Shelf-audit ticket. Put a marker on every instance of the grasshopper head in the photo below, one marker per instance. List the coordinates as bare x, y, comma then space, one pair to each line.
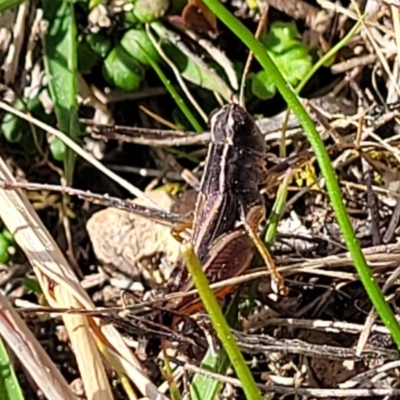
234, 126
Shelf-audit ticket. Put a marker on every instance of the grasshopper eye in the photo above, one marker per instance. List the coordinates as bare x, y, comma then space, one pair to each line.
219, 116
212, 115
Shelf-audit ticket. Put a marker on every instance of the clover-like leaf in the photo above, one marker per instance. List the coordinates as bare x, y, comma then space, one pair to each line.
122, 70
262, 85
149, 10
138, 45
288, 53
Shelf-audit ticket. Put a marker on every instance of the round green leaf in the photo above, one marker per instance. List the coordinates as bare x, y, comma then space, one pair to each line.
8, 235
290, 55
121, 70
262, 86
14, 128
150, 10
280, 36
294, 64
58, 149
138, 45
99, 43
297, 70
130, 18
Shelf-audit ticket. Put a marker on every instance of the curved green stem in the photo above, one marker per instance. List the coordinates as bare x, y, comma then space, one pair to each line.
219, 323
331, 53
172, 91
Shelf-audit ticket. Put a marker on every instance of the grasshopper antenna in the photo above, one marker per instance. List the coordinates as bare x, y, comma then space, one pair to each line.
261, 25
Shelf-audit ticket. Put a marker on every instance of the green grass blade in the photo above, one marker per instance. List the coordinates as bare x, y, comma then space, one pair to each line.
277, 210
219, 323
204, 387
322, 156
169, 377
171, 89
331, 53
6, 4
9, 385
60, 58
175, 95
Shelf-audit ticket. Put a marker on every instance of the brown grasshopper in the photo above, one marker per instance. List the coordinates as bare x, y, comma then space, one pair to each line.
229, 206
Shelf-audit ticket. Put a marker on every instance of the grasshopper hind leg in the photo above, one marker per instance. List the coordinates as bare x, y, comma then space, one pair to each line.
251, 221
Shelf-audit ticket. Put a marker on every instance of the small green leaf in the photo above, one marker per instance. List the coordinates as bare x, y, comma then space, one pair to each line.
297, 69
4, 245
121, 70
60, 59
150, 10
138, 45
99, 43
57, 149
280, 36
33, 285
94, 3
193, 68
289, 54
10, 388
12, 128
197, 71
129, 19
6, 4
203, 387
262, 86
8, 235
16, 130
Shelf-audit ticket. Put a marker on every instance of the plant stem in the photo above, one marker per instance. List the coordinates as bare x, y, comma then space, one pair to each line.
219, 323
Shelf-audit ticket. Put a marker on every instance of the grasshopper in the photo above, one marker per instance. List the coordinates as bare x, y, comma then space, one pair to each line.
229, 207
